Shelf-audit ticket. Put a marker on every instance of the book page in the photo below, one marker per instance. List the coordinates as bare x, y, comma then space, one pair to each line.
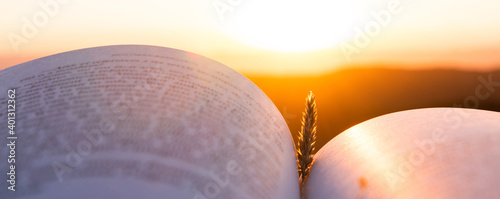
422, 153
141, 122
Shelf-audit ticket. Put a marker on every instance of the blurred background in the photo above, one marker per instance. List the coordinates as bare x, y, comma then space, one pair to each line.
361, 58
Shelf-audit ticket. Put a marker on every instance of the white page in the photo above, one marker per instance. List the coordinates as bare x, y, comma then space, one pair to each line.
143, 122
423, 153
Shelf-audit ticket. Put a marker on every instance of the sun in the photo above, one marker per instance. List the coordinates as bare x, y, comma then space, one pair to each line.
291, 25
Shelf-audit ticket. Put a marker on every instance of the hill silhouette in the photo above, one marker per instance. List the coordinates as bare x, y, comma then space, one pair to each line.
350, 96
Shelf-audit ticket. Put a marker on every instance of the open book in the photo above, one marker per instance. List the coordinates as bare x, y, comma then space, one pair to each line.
152, 122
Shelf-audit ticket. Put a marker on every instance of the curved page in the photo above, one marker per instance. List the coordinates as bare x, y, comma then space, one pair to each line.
142, 122
423, 153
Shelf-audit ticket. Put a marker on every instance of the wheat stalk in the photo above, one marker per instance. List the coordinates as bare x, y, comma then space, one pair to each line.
307, 139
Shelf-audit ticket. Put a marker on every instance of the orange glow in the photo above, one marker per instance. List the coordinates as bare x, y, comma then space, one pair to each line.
423, 34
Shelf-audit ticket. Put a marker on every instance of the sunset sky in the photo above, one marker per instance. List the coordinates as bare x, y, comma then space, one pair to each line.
261, 37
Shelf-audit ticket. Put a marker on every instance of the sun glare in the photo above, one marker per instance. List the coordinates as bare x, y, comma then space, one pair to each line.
291, 26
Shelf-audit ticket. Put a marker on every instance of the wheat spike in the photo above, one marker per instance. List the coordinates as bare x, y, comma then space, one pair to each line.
307, 138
